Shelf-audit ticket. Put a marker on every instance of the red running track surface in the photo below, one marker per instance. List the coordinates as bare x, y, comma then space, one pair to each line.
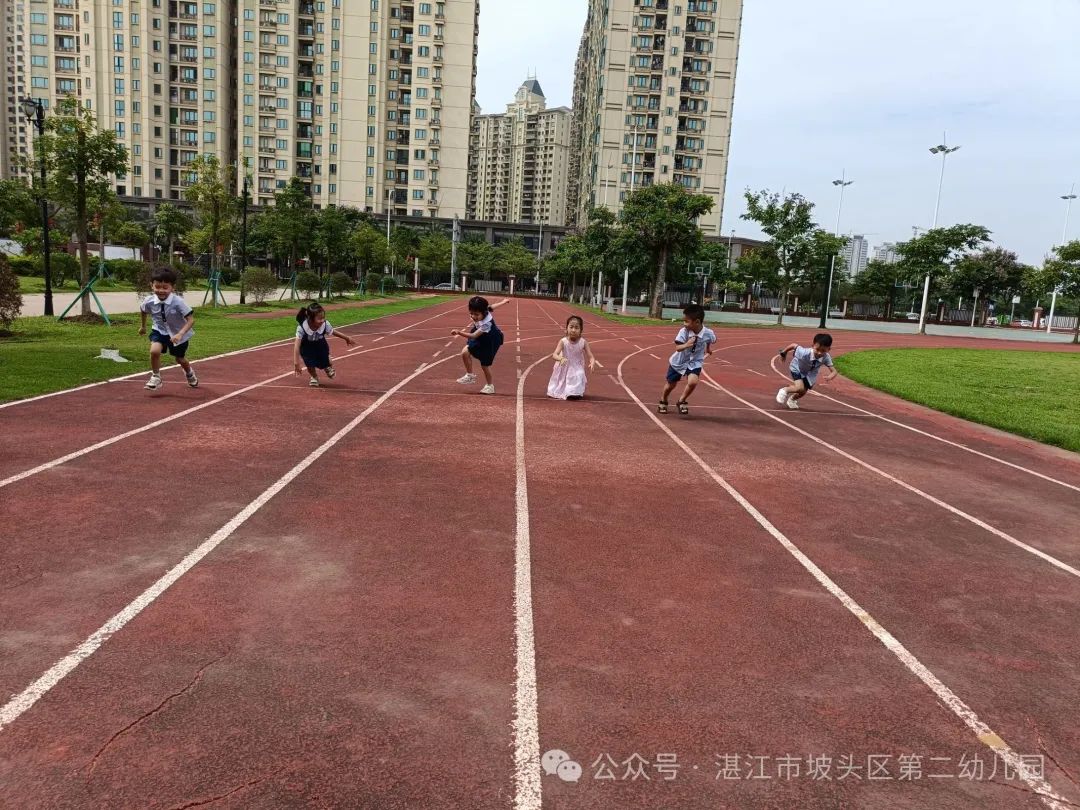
406, 593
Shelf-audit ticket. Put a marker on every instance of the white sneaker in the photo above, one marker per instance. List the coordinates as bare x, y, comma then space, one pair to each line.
488, 389
781, 396
154, 383
192, 380
313, 383
793, 404
468, 379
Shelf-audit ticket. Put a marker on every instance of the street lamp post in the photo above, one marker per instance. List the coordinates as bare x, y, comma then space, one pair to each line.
626, 267
1068, 198
35, 113
244, 232
842, 184
944, 150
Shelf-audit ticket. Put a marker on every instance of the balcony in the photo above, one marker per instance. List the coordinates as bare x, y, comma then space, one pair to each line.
306, 9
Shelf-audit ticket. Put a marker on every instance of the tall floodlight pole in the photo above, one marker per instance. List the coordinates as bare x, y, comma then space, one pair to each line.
34, 110
842, 184
944, 150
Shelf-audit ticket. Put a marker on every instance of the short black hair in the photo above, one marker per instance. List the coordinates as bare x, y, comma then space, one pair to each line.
695, 312
478, 304
165, 274
577, 318
822, 339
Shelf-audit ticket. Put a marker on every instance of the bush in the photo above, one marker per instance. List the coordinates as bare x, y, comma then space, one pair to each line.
25, 265
373, 283
129, 270
309, 283
64, 266
10, 299
341, 283
260, 283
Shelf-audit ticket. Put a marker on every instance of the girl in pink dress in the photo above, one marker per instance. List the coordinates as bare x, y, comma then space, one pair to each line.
568, 377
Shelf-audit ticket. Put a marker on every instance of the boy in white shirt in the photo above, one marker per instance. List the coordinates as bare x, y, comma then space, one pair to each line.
172, 322
805, 364
693, 342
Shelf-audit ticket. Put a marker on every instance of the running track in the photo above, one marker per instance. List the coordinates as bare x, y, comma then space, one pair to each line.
395, 593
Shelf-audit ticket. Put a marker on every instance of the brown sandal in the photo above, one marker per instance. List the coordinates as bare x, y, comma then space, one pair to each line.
661, 407
684, 409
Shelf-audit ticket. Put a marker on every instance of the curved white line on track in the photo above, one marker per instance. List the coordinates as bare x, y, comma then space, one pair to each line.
25, 699
986, 735
937, 438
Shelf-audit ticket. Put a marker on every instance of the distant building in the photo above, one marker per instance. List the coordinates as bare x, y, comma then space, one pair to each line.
886, 252
855, 255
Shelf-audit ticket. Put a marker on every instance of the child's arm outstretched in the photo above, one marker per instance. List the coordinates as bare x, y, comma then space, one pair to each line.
142, 323
496, 306
189, 322
348, 340
789, 348
593, 362
296, 356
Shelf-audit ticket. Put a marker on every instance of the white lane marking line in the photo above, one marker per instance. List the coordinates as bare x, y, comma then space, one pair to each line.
655, 357
915, 490
941, 439
378, 339
527, 792
448, 343
56, 462
24, 700
233, 353
437, 353
983, 732
757, 372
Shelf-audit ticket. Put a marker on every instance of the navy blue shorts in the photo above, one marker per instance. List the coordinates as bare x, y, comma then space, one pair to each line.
804, 378
674, 376
167, 345
315, 353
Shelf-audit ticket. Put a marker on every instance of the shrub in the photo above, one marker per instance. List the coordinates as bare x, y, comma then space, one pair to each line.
260, 283
25, 265
10, 298
309, 283
372, 282
341, 283
129, 270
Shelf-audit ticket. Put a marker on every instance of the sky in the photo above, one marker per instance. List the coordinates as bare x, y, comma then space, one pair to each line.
864, 88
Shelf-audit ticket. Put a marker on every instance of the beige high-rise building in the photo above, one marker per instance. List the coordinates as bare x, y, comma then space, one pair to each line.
521, 161
653, 95
365, 101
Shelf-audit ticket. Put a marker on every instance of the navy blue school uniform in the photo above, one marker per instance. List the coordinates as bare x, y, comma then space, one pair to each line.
314, 344
485, 340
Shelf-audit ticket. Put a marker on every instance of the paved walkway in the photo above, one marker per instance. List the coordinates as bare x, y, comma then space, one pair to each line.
114, 302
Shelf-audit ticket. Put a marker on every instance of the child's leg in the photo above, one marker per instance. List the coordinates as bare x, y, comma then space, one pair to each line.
487, 374
667, 391
691, 384
185, 364
800, 390
155, 358
466, 358
313, 372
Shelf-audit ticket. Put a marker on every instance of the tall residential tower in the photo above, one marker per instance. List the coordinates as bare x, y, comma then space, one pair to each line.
653, 94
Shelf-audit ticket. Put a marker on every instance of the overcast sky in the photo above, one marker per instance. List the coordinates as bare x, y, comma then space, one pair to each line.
867, 86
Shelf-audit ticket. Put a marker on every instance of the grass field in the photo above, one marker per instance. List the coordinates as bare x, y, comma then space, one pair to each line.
44, 355
1033, 394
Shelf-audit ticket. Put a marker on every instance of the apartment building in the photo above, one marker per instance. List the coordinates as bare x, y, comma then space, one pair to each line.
653, 99
369, 102
521, 161
855, 255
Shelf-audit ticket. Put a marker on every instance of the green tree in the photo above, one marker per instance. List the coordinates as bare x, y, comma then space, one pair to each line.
170, 223
994, 272
476, 257
210, 194
937, 252
435, 252
514, 259
369, 246
880, 280
81, 161
404, 242
571, 256
290, 223
331, 238
663, 220
789, 224
19, 208
1063, 271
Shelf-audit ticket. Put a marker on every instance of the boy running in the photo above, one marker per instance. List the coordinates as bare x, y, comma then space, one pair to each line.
692, 343
805, 364
172, 326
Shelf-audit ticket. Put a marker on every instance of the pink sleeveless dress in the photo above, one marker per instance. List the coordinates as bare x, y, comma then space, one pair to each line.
568, 379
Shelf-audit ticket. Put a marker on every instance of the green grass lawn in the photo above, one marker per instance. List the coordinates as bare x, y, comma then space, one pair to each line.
43, 355
1033, 394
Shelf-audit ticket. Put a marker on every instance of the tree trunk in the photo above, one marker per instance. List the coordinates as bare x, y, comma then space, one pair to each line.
1076, 331
656, 305
172, 252
783, 301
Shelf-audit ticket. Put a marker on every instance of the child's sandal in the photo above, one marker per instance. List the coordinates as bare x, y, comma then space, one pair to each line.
684, 409
661, 406
330, 372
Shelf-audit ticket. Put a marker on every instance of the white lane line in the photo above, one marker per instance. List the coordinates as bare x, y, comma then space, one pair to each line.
915, 490
234, 353
943, 440
56, 462
527, 794
447, 344
982, 731
378, 339
757, 372
25, 699
437, 353
655, 356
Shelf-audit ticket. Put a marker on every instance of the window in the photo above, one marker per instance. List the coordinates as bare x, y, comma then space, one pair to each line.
209, 137
39, 19
39, 81
41, 39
